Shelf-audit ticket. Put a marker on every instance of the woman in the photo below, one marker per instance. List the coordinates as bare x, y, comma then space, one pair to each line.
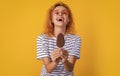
58, 62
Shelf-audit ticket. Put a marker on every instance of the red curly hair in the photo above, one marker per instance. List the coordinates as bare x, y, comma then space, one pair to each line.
49, 26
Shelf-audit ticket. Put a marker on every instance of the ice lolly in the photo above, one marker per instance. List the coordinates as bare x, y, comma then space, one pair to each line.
60, 40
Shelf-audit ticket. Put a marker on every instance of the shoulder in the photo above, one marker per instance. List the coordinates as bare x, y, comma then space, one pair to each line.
74, 36
42, 37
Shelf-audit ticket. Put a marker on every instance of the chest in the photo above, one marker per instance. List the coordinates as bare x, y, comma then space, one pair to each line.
69, 44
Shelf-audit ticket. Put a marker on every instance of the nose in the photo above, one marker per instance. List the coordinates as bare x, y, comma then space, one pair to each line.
60, 14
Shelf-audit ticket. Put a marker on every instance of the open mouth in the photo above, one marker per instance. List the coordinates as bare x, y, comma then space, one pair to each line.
60, 19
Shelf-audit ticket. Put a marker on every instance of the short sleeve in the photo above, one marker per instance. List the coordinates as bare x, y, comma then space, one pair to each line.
76, 48
42, 47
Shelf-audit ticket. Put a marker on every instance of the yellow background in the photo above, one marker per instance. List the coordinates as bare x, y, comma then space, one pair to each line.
96, 21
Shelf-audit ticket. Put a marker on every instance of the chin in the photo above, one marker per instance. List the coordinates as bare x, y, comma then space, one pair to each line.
60, 24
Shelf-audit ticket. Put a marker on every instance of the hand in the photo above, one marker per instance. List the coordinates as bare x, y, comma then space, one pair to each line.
64, 55
55, 56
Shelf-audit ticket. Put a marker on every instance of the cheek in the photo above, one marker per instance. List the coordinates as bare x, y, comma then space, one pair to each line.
66, 18
53, 18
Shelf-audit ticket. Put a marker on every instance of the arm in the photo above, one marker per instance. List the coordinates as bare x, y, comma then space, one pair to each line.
68, 64
50, 66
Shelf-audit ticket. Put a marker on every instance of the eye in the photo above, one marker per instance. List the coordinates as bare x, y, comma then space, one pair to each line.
56, 12
64, 12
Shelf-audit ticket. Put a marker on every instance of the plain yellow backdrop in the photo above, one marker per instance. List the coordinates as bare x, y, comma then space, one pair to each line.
96, 21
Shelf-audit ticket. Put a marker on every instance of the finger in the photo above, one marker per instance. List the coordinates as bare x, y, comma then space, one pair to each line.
54, 52
62, 53
65, 53
59, 49
55, 56
64, 56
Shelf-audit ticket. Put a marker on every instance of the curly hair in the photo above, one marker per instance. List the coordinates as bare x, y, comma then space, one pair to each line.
49, 26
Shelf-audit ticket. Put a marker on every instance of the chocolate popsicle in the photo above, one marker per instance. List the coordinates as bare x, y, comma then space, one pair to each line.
60, 40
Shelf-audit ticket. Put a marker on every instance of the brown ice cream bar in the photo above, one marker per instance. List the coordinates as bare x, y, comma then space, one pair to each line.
60, 40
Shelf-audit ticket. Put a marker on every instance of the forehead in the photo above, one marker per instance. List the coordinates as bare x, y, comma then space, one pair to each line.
60, 8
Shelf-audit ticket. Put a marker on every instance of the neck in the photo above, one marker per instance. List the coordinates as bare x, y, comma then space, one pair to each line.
58, 30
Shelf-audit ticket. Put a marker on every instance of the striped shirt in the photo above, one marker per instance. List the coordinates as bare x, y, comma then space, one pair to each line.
45, 45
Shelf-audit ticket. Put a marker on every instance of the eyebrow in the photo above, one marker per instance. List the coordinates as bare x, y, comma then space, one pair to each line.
58, 10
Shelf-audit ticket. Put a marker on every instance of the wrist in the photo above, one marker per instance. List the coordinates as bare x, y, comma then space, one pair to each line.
54, 63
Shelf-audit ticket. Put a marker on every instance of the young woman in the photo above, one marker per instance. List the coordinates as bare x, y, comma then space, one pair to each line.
58, 62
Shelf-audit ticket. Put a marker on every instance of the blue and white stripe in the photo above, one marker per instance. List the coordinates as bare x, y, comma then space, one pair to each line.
45, 45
